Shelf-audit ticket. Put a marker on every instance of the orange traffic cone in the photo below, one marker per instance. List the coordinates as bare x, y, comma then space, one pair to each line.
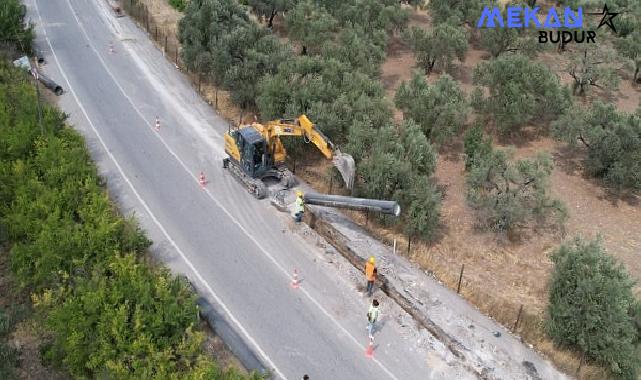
295, 281
369, 352
202, 180
157, 126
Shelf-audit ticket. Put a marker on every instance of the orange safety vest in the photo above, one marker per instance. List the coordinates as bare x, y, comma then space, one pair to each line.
369, 271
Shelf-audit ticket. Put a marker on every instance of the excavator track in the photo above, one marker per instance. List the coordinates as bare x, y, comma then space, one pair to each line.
256, 187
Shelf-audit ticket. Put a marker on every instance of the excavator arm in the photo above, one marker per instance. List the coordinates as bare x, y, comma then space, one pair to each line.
302, 126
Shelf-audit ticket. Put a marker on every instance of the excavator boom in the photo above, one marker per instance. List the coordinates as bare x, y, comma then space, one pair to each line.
302, 126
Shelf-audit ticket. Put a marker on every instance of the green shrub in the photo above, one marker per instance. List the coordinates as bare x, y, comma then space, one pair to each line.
592, 307
612, 139
179, 5
437, 48
334, 81
124, 318
12, 21
519, 91
511, 194
440, 109
477, 147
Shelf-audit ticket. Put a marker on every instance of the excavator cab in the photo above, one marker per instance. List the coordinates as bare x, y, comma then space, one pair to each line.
254, 156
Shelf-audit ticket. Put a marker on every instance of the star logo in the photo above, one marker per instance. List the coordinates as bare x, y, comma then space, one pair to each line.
607, 18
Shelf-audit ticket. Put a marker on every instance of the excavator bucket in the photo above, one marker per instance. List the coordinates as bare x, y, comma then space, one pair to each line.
346, 166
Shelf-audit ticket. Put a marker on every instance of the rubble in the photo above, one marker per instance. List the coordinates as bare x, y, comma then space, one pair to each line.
473, 339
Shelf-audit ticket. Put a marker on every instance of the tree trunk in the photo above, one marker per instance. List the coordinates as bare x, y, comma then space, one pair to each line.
429, 68
240, 118
636, 75
270, 24
304, 52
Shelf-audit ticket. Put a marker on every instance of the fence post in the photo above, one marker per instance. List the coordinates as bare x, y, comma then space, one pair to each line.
409, 243
394, 247
176, 54
518, 318
156, 33
331, 183
198, 82
578, 370
165, 43
460, 278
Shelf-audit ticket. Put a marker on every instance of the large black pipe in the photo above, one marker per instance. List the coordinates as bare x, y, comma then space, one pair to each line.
50, 84
340, 201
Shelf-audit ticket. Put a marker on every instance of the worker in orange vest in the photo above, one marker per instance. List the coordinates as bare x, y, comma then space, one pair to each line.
370, 274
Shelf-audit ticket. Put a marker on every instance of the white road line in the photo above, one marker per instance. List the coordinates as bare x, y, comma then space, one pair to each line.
151, 214
233, 219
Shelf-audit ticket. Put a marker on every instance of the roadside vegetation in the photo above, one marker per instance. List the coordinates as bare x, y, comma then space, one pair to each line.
106, 309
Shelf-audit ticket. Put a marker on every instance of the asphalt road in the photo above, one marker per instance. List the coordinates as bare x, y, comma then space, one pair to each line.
237, 251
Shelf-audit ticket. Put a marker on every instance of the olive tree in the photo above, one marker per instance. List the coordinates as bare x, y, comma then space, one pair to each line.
437, 47
310, 25
508, 40
630, 48
518, 91
592, 307
440, 109
509, 194
612, 140
268, 9
592, 67
468, 11
12, 26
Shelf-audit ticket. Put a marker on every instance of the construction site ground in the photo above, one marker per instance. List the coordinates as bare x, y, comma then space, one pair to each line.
502, 273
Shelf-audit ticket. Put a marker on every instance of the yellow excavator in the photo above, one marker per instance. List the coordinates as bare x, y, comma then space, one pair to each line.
256, 153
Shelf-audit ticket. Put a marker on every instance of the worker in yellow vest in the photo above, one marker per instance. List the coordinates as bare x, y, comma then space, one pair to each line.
299, 207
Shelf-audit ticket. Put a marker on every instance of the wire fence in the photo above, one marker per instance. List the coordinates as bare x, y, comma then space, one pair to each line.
165, 39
